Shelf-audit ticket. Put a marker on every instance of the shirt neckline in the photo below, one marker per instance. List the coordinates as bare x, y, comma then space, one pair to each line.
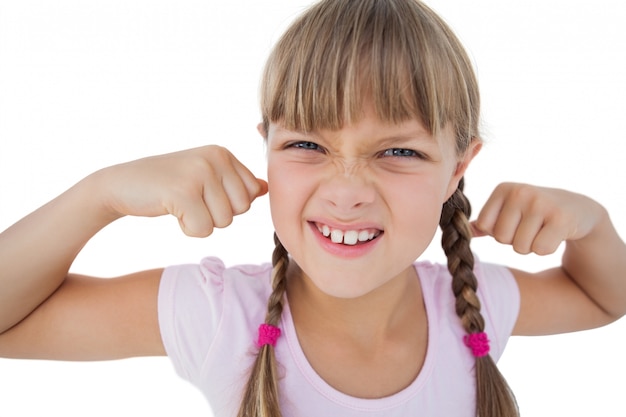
393, 400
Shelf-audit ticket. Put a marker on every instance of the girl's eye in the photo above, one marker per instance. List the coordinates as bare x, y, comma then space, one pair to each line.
400, 152
312, 146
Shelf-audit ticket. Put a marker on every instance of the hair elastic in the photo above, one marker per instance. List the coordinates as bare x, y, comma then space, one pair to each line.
268, 335
478, 343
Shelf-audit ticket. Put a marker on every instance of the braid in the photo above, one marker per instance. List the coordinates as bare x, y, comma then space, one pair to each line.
280, 262
455, 241
493, 395
260, 397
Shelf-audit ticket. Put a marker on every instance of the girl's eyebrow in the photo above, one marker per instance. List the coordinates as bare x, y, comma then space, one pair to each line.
282, 130
406, 138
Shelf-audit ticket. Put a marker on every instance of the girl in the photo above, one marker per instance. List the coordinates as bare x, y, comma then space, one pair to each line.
356, 155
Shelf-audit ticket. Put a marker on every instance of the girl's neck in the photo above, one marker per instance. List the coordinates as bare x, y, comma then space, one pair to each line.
348, 341
378, 315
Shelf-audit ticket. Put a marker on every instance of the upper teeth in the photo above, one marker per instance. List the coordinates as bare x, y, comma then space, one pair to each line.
348, 237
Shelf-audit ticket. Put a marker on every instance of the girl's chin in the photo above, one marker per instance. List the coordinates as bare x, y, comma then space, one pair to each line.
343, 284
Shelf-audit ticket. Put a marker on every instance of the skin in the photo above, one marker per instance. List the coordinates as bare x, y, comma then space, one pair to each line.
347, 182
45, 312
203, 187
349, 179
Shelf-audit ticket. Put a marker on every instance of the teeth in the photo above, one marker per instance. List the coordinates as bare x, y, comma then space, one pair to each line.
348, 237
336, 236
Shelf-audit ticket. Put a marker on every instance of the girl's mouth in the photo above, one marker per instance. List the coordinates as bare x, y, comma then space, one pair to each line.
348, 237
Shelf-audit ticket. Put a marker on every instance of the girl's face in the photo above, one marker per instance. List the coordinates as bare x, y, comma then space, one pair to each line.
356, 206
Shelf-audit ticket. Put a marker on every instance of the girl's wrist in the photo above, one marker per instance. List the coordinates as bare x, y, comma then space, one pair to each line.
96, 197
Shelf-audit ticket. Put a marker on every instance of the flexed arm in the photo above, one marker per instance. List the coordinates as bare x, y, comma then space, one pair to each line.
589, 288
203, 187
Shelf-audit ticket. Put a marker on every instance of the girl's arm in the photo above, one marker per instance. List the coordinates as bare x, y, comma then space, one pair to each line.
44, 312
589, 288
37, 252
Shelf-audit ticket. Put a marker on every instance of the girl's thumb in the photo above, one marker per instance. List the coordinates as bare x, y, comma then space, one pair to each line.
476, 232
263, 187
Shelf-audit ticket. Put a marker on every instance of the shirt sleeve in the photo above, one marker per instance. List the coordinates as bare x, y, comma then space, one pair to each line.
190, 304
500, 299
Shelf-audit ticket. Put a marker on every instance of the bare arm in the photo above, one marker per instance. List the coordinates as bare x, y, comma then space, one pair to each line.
37, 252
598, 265
91, 319
588, 289
45, 313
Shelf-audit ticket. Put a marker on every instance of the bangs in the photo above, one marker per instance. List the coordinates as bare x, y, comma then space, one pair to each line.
396, 56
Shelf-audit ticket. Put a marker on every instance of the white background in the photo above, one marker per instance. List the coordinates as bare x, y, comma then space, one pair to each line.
86, 84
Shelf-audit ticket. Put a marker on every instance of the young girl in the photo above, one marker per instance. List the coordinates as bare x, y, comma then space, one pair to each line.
370, 127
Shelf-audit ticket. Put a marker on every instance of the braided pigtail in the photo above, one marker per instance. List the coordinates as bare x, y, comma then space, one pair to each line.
260, 397
493, 395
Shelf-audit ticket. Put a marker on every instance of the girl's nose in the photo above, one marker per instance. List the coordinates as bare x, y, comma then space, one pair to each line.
347, 191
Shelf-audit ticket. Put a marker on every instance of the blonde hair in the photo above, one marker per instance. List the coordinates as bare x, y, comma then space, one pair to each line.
400, 56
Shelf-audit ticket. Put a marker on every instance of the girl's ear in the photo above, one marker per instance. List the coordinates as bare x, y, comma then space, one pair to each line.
261, 129
472, 150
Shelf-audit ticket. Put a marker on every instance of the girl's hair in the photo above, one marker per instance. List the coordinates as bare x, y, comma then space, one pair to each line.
260, 397
493, 395
402, 58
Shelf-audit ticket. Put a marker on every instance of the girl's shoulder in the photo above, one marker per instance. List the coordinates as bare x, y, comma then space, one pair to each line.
490, 277
210, 289
196, 300
212, 277
497, 291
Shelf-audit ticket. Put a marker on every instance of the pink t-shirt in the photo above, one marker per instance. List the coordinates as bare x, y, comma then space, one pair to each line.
209, 315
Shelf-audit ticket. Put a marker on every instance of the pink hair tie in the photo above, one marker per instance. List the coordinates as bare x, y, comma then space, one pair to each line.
478, 343
268, 335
